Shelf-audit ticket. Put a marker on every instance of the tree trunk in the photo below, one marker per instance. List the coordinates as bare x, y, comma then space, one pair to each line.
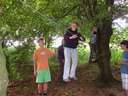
3, 74
103, 39
103, 20
103, 51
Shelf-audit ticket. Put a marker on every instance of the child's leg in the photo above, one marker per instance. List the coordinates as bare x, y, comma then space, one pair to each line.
124, 77
61, 68
126, 92
40, 88
45, 87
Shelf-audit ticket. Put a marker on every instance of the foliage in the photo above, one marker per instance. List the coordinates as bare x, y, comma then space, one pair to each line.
17, 59
26, 19
116, 55
21, 19
83, 54
119, 35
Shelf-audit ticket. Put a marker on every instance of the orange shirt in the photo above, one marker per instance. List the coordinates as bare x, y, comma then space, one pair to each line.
41, 56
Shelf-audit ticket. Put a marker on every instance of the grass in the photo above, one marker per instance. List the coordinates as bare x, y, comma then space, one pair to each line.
116, 55
84, 53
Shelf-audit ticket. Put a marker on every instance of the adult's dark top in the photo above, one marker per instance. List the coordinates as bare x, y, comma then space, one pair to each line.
72, 43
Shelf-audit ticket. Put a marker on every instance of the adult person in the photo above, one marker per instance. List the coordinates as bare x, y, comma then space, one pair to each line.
71, 38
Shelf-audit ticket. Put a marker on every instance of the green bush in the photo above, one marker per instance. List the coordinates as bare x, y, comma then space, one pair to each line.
83, 54
116, 54
16, 59
20, 57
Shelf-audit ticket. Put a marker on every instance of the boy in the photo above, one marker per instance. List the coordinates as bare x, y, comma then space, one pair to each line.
61, 60
124, 66
41, 67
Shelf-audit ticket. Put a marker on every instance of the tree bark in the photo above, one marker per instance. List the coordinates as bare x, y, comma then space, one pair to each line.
103, 22
3, 73
103, 51
103, 39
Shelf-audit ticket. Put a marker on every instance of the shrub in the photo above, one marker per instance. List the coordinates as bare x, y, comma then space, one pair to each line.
16, 59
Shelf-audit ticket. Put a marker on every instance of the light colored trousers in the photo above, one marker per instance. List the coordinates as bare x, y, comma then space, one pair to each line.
70, 69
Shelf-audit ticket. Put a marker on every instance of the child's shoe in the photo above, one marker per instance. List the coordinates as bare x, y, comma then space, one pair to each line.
44, 94
39, 94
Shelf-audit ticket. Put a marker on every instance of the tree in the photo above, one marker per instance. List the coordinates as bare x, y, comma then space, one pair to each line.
20, 19
3, 73
102, 13
91, 10
103, 39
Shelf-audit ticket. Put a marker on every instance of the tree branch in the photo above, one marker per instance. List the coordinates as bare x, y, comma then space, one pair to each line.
68, 12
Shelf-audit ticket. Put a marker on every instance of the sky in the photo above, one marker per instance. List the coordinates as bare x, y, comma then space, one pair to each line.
121, 22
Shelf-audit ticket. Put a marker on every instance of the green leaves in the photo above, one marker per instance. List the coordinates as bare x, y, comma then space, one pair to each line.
49, 17
118, 36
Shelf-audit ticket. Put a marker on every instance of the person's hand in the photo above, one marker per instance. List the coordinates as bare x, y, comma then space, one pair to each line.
73, 37
82, 38
35, 72
120, 62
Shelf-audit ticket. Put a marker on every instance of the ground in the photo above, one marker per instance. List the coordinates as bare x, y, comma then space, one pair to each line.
86, 85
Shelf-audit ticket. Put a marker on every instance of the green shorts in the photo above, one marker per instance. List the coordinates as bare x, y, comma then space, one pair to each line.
43, 76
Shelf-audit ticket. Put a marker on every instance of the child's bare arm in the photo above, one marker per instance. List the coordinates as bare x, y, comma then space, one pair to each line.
35, 68
124, 62
34, 63
52, 53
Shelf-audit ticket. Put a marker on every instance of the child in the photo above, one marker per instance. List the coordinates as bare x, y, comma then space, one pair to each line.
92, 58
61, 60
41, 67
124, 66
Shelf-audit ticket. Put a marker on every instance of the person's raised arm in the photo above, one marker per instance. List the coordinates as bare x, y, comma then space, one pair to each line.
73, 37
81, 38
124, 62
68, 36
51, 53
34, 62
